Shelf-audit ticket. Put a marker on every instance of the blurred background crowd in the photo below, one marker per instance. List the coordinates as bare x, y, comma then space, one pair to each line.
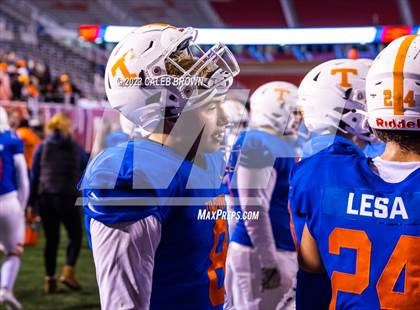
25, 79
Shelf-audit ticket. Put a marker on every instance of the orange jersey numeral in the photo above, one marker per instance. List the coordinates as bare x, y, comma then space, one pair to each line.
345, 282
404, 255
218, 261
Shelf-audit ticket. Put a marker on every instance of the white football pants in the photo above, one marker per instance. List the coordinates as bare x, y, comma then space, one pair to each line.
12, 224
243, 280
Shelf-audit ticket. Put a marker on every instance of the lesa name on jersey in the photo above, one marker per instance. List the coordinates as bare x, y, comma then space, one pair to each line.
378, 207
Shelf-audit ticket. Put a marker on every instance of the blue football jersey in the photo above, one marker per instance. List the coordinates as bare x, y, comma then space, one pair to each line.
367, 230
374, 149
151, 180
10, 145
317, 143
323, 145
259, 149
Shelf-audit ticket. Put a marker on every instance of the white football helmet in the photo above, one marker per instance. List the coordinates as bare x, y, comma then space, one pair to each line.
129, 128
334, 91
235, 111
4, 120
238, 118
274, 104
137, 83
393, 86
367, 61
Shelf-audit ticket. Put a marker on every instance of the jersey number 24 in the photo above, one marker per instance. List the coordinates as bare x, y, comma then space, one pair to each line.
405, 254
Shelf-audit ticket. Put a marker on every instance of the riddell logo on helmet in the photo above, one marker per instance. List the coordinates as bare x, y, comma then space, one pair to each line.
381, 123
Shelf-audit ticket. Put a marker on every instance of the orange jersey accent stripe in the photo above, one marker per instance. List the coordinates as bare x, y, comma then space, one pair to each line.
398, 75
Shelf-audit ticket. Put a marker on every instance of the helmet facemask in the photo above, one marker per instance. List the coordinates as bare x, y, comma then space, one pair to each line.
197, 77
157, 72
213, 71
354, 116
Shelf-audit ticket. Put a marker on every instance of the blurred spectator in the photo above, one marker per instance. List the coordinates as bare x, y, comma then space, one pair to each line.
16, 84
21, 67
30, 141
5, 90
57, 167
64, 88
28, 88
23, 80
15, 117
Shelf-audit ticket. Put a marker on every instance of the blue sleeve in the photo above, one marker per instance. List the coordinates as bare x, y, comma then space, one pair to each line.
110, 194
36, 170
255, 154
305, 194
297, 207
17, 146
313, 291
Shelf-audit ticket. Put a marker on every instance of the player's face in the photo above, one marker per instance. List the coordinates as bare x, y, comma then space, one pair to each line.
212, 119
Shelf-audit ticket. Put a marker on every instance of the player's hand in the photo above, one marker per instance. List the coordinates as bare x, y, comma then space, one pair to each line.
270, 279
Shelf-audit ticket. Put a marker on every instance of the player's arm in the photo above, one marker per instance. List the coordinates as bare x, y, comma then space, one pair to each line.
313, 289
124, 235
255, 196
308, 254
21, 172
124, 259
22, 179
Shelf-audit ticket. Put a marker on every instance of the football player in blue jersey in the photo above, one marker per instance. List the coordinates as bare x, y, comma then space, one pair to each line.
332, 98
262, 256
14, 192
153, 205
361, 215
238, 118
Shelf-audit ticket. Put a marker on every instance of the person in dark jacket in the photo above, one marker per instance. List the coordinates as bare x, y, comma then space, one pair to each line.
57, 166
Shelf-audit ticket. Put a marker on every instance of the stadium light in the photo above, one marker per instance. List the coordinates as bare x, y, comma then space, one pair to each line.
114, 34
268, 36
295, 36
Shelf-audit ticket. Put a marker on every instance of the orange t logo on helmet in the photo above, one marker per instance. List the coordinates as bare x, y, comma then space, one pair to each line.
344, 75
120, 64
280, 93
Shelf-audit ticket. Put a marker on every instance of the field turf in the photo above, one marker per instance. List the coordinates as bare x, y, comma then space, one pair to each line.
29, 285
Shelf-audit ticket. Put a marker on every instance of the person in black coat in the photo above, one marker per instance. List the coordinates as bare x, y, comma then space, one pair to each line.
57, 166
